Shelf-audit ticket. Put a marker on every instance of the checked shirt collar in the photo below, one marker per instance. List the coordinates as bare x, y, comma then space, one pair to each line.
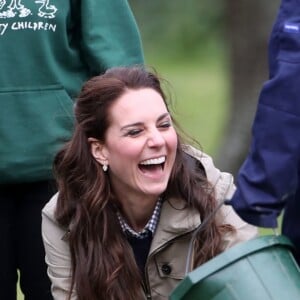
150, 226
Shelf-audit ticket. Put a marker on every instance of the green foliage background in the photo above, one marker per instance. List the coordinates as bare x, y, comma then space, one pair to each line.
179, 29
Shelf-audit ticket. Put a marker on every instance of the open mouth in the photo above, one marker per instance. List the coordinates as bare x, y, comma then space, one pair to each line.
153, 164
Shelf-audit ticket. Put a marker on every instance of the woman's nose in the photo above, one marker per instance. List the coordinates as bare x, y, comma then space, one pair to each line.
155, 139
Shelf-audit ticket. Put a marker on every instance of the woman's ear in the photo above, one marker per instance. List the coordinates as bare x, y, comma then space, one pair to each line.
98, 150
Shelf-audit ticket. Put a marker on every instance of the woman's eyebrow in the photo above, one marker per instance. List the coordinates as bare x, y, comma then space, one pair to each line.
141, 123
163, 116
131, 125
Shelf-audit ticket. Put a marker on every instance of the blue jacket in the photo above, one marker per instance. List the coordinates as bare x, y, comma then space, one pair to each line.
268, 180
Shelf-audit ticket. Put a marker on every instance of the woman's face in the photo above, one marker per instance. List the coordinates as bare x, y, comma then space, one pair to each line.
140, 145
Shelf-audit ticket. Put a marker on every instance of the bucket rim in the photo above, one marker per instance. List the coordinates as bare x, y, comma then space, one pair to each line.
239, 251
228, 257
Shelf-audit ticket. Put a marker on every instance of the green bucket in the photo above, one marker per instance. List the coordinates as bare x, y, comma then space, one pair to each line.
259, 269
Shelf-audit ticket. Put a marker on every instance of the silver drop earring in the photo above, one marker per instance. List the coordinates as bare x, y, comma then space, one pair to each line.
105, 168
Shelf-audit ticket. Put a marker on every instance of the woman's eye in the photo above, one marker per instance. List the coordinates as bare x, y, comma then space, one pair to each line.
165, 124
133, 132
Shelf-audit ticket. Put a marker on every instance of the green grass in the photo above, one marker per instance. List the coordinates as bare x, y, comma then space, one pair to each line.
20, 296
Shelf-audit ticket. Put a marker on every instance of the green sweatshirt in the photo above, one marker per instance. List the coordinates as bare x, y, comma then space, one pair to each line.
48, 48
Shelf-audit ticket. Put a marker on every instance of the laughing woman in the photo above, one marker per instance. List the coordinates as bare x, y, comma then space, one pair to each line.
131, 195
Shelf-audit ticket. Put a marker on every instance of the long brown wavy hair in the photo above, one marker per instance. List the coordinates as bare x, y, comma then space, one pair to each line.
103, 264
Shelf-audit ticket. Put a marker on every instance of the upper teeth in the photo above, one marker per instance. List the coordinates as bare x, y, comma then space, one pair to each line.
154, 161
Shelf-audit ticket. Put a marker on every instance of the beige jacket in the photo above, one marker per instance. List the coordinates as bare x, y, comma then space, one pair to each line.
166, 262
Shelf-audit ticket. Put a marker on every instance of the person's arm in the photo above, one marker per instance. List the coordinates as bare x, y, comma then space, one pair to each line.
268, 177
58, 256
109, 35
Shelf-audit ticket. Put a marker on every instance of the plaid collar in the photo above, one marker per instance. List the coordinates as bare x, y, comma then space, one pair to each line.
150, 227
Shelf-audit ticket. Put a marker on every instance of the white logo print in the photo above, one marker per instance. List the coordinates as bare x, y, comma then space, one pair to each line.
16, 8
15, 13
46, 10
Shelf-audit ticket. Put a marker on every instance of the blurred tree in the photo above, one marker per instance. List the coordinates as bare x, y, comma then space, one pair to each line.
178, 29
248, 26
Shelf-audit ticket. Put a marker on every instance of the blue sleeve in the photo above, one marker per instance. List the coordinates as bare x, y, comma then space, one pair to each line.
268, 178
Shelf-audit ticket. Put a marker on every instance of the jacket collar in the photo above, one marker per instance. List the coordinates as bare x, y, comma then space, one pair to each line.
175, 220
